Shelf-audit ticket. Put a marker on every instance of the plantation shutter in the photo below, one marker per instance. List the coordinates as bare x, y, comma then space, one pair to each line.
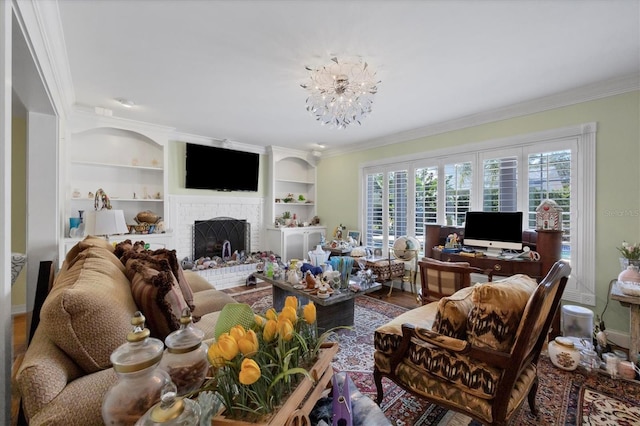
398, 187
458, 180
500, 184
426, 202
375, 209
550, 178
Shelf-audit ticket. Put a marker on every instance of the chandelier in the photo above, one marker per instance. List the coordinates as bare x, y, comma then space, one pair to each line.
341, 93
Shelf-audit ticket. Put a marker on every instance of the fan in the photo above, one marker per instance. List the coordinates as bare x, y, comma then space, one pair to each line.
406, 249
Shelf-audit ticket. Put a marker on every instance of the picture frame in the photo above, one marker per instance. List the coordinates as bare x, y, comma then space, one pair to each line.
355, 235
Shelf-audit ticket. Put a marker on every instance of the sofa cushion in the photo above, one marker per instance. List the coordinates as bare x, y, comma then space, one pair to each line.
197, 282
88, 242
387, 337
157, 294
457, 369
44, 372
498, 308
452, 314
90, 299
208, 325
211, 300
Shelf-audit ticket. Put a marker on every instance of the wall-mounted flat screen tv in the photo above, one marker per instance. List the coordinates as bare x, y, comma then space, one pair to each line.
221, 169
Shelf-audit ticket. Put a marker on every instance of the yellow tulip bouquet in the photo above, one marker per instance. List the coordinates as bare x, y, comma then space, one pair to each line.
259, 361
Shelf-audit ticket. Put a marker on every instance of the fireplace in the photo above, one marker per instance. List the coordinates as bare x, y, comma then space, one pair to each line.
221, 236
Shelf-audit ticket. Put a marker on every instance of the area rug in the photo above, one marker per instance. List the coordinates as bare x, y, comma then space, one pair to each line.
563, 398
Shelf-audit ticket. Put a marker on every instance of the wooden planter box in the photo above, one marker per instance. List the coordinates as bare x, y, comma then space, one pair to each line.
296, 409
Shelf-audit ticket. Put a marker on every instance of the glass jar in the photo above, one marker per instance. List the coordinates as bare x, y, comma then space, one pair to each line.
140, 382
185, 359
590, 360
172, 410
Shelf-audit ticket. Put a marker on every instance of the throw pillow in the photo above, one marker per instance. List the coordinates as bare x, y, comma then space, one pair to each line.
169, 256
124, 246
157, 294
498, 308
453, 311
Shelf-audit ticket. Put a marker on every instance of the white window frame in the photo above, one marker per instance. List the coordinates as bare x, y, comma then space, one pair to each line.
581, 139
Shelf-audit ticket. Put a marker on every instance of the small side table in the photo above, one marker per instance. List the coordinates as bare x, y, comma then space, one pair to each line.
633, 302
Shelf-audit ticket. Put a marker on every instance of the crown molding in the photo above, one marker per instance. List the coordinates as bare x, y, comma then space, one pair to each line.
83, 119
41, 26
612, 87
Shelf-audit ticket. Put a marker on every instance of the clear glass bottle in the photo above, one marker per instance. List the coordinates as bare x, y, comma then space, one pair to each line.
140, 381
172, 410
185, 359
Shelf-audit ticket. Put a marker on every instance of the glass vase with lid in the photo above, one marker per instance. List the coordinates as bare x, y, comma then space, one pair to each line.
140, 381
172, 410
185, 359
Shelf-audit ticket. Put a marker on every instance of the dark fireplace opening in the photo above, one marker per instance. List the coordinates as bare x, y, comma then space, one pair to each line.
221, 236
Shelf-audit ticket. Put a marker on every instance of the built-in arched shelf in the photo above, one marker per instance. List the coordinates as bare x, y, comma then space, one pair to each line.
128, 161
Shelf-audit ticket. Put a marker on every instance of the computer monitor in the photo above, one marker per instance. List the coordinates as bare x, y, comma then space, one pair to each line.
494, 231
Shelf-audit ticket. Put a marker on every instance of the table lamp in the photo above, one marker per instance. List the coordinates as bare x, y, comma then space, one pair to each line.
105, 221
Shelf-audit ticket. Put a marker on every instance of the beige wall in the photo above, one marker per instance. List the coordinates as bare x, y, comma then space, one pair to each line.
617, 181
19, 203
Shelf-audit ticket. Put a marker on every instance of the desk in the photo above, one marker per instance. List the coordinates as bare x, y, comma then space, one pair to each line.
499, 266
633, 302
548, 245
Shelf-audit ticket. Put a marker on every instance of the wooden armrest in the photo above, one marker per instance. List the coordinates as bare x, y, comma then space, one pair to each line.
488, 272
437, 339
489, 356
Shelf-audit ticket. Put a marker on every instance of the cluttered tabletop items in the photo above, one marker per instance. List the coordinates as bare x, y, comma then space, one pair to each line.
454, 245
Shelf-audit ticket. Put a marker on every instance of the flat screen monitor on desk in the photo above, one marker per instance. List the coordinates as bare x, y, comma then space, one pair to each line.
493, 231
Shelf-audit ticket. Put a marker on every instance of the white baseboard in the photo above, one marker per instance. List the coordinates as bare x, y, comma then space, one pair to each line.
18, 309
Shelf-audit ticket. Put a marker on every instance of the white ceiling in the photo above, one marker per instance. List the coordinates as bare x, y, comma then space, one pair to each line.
233, 69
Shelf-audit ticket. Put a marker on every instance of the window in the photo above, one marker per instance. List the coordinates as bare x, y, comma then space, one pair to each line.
513, 174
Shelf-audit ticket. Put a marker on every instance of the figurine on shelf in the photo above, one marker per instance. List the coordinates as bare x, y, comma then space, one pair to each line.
452, 241
101, 197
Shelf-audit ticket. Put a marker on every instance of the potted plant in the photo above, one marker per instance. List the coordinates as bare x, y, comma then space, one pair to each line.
289, 198
261, 362
301, 198
286, 216
630, 254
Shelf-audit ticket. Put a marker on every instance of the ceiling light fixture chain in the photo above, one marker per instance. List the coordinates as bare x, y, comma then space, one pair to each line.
341, 93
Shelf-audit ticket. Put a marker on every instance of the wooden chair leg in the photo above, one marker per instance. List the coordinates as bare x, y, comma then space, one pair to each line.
377, 378
532, 397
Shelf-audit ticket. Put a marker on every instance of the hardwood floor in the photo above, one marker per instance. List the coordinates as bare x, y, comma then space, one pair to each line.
19, 344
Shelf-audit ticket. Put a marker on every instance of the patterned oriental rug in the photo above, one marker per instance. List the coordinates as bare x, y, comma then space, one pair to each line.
563, 398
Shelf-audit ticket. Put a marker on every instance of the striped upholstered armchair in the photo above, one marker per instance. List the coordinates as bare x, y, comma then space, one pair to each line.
476, 351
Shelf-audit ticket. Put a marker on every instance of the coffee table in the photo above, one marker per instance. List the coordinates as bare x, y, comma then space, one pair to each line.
334, 311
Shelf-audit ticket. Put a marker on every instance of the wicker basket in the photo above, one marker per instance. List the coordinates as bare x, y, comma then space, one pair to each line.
384, 272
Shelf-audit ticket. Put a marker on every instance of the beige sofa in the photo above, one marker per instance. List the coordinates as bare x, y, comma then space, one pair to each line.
87, 314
